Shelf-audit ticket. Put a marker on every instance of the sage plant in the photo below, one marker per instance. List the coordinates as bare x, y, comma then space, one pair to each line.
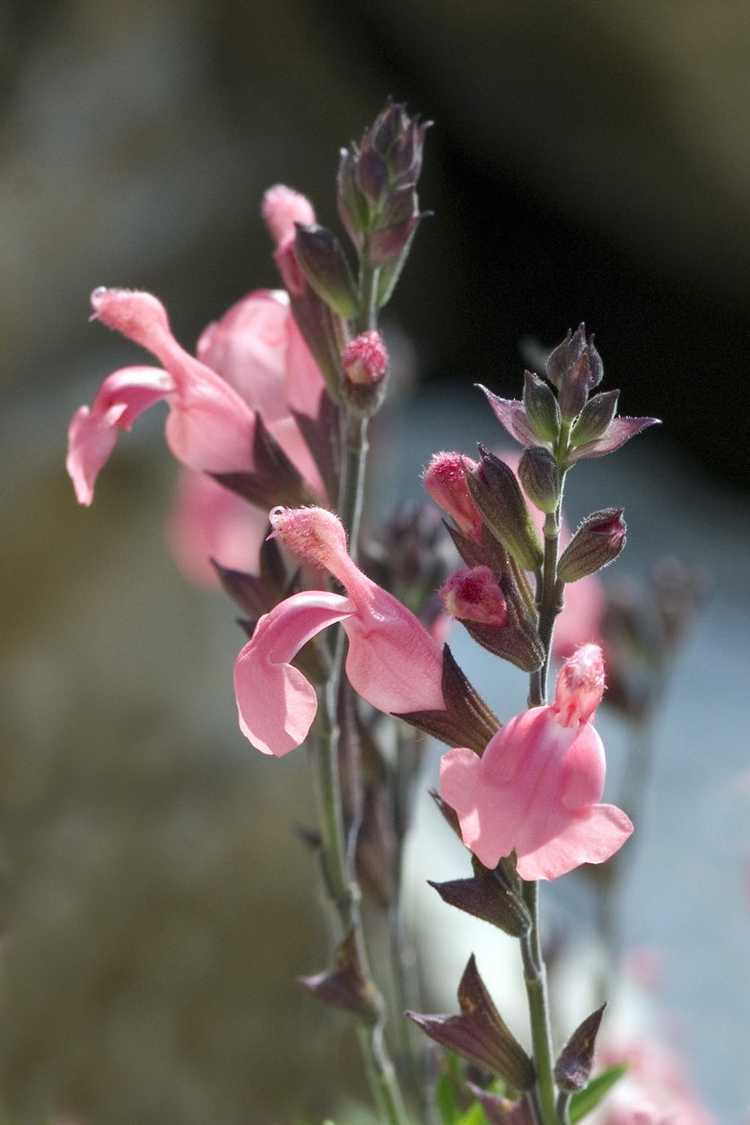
345, 647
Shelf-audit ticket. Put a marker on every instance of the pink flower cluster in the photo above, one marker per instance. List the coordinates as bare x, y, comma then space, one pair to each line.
536, 789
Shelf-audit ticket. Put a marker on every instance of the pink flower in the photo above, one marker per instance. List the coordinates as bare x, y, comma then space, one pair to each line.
392, 661
445, 480
536, 787
210, 522
257, 348
472, 594
656, 1088
282, 207
365, 359
209, 426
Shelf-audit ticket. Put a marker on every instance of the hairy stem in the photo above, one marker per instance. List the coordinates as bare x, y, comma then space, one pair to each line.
535, 972
337, 860
535, 978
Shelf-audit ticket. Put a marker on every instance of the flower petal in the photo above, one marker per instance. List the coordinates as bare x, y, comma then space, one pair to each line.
592, 836
92, 433
275, 703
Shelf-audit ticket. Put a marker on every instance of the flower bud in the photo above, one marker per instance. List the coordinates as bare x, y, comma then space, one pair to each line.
365, 359
597, 542
326, 269
575, 367
595, 418
445, 480
565, 356
498, 496
540, 404
473, 594
377, 197
540, 478
573, 1067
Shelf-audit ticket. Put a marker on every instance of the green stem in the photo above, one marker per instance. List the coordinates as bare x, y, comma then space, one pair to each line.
563, 1107
535, 978
535, 972
340, 878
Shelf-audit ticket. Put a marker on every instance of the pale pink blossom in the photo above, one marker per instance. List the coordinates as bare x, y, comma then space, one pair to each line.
209, 426
536, 788
656, 1088
283, 207
392, 661
257, 348
209, 521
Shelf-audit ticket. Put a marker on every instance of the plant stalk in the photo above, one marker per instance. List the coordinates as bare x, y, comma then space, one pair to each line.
337, 859
535, 972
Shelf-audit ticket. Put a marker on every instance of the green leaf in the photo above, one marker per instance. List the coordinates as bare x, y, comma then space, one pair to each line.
474, 1115
587, 1100
447, 1102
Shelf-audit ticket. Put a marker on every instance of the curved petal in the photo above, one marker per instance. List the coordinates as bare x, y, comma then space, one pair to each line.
303, 382
210, 427
275, 703
92, 433
393, 662
592, 836
209, 521
247, 347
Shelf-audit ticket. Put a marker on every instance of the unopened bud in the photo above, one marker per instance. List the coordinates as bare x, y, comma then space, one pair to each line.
541, 407
595, 418
597, 542
540, 478
499, 498
325, 266
377, 197
365, 359
445, 478
565, 356
573, 1067
473, 594
575, 367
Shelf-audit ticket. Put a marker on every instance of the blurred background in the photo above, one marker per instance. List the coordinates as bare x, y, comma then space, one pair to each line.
588, 161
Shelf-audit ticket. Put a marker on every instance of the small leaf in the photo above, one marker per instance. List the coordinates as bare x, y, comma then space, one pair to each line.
511, 414
587, 1100
474, 1115
447, 1101
573, 1067
344, 986
479, 1034
485, 897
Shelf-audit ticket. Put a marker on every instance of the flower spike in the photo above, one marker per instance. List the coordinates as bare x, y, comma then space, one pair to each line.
536, 788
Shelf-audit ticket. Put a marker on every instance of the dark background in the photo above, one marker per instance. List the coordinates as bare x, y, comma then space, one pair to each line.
589, 160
